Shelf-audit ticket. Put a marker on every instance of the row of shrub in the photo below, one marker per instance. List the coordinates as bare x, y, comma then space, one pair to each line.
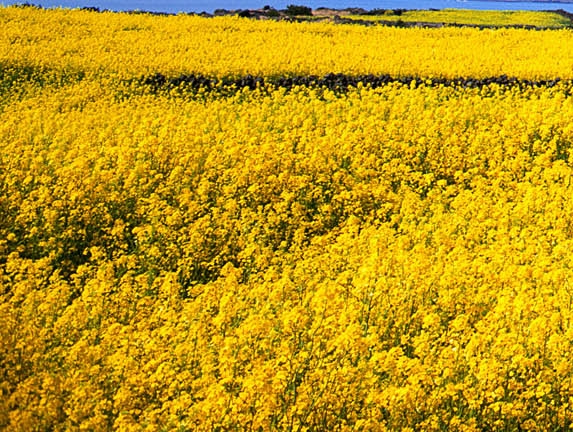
333, 81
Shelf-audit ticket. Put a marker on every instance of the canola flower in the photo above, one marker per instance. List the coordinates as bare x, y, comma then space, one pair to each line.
381, 259
133, 45
388, 259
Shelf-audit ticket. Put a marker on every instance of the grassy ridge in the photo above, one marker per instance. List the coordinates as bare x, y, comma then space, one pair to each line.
540, 19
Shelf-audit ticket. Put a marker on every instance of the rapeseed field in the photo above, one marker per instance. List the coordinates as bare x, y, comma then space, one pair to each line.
277, 258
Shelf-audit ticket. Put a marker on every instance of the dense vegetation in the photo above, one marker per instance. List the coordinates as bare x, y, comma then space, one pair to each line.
179, 251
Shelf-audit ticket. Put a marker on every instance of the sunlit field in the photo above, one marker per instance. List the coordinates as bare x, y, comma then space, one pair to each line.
124, 46
474, 17
390, 255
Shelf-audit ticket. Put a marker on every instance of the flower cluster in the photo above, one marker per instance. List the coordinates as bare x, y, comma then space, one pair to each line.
383, 259
126, 45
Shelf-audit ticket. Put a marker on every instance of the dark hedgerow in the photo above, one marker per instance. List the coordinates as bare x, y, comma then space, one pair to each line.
295, 10
336, 82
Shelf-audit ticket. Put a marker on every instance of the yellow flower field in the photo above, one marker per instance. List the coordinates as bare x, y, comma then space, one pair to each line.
388, 259
133, 45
